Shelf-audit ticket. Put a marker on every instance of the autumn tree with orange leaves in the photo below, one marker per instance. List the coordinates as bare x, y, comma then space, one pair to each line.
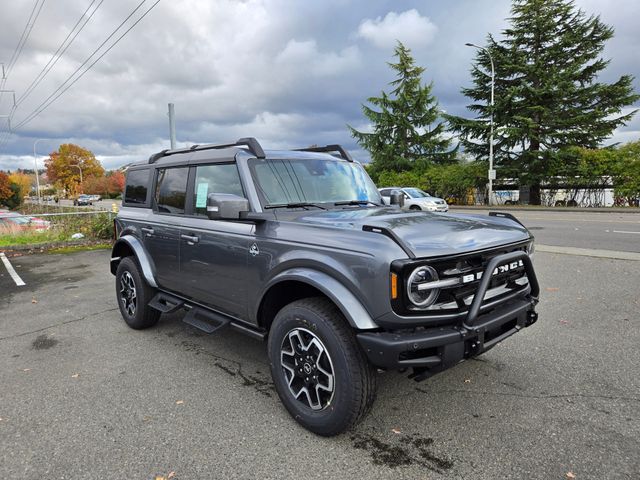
63, 167
5, 188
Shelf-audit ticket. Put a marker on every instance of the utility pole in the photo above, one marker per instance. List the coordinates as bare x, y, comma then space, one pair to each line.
492, 172
35, 163
172, 125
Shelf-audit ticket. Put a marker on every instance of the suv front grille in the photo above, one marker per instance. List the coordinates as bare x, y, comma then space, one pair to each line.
468, 270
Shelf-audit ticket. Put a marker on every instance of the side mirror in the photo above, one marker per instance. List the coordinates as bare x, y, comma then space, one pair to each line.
226, 206
397, 198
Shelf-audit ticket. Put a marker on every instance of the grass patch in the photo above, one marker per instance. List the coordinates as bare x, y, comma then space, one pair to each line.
94, 227
80, 248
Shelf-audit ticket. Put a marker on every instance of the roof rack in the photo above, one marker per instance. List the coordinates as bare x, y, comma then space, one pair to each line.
328, 149
252, 143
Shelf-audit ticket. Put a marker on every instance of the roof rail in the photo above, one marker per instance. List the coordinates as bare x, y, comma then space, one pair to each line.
328, 149
252, 143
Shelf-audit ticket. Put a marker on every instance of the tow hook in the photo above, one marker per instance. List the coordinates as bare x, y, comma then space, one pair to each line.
532, 317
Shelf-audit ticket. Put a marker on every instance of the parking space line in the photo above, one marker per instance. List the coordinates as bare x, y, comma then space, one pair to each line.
622, 231
12, 272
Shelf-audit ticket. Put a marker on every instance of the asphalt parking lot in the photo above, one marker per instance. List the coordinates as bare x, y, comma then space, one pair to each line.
85, 397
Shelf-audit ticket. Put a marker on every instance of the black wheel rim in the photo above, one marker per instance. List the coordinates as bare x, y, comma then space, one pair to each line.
307, 368
128, 294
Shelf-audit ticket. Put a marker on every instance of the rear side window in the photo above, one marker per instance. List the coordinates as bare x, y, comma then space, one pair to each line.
171, 189
220, 178
135, 190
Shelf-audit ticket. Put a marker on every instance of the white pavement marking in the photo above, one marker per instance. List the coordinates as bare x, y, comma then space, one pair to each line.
12, 272
589, 252
622, 231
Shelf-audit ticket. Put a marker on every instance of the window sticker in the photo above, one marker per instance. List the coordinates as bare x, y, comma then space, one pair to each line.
201, 195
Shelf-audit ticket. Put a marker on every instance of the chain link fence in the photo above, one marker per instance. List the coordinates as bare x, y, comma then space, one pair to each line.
35, 224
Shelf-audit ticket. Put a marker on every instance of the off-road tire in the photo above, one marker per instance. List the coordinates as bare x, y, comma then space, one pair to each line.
354, 378
142, 316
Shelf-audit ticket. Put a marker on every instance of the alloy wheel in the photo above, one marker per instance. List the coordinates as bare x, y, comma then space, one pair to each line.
128, 294
307, 368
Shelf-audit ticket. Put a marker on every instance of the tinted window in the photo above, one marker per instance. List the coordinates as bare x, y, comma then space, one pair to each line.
386, 192
135, 190
171, 189
221, 178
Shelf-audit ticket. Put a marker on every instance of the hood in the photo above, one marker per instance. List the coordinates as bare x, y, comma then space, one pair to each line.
425, 234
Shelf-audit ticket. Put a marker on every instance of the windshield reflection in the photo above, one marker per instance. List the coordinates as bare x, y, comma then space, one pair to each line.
311, 180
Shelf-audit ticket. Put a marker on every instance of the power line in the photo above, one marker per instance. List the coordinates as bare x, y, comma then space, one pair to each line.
35, 12
31, 21
64, 87
60, 51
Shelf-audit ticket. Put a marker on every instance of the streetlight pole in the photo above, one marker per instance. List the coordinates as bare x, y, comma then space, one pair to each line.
492, 173
79, 168
35, 163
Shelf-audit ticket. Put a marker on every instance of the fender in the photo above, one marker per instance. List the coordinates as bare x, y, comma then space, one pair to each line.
349, 305
145, 262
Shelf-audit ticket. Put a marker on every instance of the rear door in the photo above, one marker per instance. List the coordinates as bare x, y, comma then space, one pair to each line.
162, 231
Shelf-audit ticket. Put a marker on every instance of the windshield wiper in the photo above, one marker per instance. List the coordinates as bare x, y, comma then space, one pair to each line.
304, 205
357, 202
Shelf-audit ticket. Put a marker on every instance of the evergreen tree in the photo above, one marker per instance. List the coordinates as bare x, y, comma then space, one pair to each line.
404, 120
547, 96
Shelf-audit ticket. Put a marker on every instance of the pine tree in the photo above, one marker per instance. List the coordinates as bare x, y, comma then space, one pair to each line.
403, 120
547, 96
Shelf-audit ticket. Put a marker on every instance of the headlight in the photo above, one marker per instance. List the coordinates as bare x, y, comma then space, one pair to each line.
422, 297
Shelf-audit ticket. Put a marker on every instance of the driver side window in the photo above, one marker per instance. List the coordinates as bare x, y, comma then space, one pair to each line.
218, 178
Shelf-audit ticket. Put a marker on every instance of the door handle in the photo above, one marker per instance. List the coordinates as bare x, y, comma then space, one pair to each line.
147, 230
191, 239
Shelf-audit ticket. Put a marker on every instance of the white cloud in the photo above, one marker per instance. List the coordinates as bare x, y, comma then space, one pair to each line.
409, 27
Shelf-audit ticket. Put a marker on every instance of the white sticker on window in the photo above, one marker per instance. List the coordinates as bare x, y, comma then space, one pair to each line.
201, 195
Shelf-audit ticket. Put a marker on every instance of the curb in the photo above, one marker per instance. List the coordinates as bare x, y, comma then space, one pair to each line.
522, 208
589, 252
32, 249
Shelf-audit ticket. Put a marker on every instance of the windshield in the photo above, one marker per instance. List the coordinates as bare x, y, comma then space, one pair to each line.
311, 180
416, 193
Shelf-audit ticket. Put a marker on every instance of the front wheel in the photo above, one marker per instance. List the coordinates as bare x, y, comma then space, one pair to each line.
321, 374
133, 294
414, 207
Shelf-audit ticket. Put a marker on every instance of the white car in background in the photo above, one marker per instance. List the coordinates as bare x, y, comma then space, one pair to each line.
415, 199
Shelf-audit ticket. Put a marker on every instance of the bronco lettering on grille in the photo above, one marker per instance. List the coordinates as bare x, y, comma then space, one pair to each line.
507, 267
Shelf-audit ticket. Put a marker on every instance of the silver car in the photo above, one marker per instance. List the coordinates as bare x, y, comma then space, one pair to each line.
416, 199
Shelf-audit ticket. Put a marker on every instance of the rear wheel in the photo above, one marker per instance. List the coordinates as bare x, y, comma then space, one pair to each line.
320, 372
133, 295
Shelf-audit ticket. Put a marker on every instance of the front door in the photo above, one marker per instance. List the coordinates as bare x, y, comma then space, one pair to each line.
214, 253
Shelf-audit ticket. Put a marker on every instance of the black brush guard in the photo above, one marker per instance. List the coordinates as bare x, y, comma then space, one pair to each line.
432, 350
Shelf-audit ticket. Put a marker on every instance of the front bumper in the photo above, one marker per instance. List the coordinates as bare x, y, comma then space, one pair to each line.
433, 350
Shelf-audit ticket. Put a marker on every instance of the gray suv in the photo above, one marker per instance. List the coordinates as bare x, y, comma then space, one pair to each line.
297, 249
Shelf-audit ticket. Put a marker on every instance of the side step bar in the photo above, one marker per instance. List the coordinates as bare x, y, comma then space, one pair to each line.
208, 322
201, 317
165, 303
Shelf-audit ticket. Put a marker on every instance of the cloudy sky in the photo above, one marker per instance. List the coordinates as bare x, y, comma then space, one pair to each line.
291, 73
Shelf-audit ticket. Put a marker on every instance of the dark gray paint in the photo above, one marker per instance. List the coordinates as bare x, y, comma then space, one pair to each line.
326, 249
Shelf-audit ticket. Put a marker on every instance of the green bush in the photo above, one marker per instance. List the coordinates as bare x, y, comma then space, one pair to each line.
454, 182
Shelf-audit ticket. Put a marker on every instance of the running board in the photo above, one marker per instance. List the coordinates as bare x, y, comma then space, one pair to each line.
165, 303
208, 322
